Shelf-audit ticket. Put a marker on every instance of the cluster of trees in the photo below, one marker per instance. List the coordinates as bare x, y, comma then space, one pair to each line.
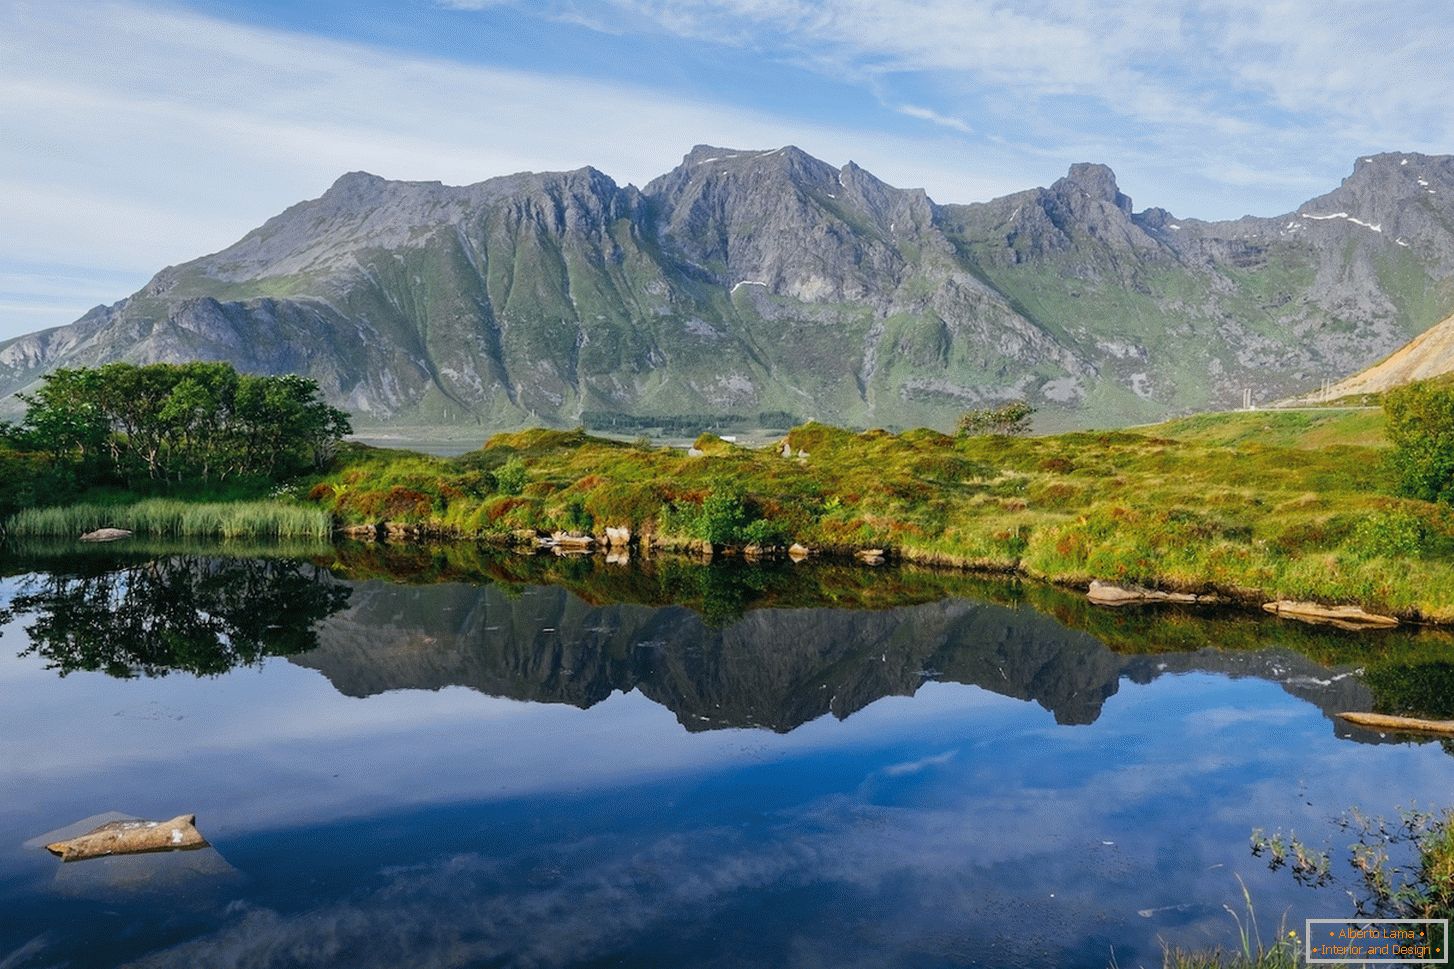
180, 423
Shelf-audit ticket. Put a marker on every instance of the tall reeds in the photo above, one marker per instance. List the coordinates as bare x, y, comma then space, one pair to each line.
170, 518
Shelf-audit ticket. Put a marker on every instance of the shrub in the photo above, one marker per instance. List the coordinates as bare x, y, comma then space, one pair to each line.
511, 477
575, 517
1389, 534
1011, 418
722, 518
1420, 425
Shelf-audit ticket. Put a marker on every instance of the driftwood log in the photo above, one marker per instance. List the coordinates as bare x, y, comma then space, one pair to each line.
1344, 617
106, 535
131, 837
1382, 721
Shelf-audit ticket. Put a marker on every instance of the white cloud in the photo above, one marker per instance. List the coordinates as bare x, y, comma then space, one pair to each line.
934, 117
1351, 67
1221, 108
202, 129
137, 137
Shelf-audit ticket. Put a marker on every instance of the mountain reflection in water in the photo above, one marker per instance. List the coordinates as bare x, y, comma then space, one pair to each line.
764, 646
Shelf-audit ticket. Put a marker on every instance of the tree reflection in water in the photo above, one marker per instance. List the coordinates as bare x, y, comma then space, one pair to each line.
176, 613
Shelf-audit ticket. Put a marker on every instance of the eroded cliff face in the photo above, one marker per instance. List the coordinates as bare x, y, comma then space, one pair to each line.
751, 281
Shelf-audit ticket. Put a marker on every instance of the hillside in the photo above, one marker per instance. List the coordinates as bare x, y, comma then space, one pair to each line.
1300, 428
1428, 355
772, 284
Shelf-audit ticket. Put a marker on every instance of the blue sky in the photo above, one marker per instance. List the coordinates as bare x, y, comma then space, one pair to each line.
135, 135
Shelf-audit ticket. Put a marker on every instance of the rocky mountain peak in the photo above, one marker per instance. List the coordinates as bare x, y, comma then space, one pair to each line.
354, 181
1096, 181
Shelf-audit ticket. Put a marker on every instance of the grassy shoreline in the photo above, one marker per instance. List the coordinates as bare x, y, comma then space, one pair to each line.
1246, 507
1169, 507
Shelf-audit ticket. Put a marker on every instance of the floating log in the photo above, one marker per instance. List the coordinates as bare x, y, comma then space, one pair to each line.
1383, 721
131, 837
1110, 594
1344, 617
106, 535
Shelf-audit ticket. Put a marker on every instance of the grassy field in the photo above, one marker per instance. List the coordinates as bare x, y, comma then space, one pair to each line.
1291, 504
1306, 428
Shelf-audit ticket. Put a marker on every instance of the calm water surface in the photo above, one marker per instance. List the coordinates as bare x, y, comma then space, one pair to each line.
429, 766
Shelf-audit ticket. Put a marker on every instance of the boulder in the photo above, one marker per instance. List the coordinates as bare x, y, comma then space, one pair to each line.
360, 533
695, 452
130, 837
797, 552
618, 537
571, 540
787, 451
1110, 594
403, 532
106, 535
1344, 617
870, 556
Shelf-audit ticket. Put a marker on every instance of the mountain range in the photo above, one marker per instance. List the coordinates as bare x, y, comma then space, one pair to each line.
773, 284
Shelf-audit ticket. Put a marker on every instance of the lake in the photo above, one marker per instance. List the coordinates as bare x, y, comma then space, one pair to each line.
443, 757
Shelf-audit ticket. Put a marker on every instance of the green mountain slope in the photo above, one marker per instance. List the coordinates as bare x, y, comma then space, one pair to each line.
751, 281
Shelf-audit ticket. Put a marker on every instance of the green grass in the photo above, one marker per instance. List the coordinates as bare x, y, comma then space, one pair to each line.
1302, 428
172, 518
1306, 516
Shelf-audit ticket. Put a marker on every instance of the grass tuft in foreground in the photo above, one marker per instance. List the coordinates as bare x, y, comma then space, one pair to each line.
170, 518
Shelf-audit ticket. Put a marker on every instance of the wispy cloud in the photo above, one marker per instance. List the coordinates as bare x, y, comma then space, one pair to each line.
1241, 104
205, 128
934, 117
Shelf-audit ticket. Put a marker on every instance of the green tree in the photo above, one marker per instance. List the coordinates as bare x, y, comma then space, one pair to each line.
1419, 421
1011, 418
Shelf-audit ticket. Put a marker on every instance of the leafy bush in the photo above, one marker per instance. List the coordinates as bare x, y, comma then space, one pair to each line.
1389, 534
511, 477
1011, 418
722, 518
575, 517
180, 423
1420, 425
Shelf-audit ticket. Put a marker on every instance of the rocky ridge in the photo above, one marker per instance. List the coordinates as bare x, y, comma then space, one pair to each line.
770, 281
